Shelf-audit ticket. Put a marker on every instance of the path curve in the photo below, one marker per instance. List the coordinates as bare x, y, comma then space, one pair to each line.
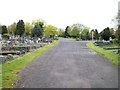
70, 64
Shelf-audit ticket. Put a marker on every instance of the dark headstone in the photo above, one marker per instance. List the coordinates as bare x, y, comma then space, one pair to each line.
9, 56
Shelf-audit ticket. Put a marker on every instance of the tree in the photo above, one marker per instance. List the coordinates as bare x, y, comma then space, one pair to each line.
85, 34
12, 28
0, 29
68, 31
41, 22
20, 28
75, 32
38, 28
37, 31
79, 26
112, 33
5, 35
50, 31
61, 33
4, 30
117, 24
96, 34
118, 17
91, 34
117, 33
28, 28
88, 36
105, 34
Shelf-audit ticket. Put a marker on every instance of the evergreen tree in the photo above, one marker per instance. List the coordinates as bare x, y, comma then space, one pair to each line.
4, 30
37, 31
96, 34
68, 31
20, 28
105, 34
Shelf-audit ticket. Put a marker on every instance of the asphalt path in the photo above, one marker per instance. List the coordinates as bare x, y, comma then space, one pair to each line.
70, 64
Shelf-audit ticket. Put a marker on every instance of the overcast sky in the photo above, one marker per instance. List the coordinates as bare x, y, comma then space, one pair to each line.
60, 13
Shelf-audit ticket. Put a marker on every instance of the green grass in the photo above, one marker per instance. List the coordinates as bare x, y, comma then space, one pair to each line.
106, 53
111, 46
11, 68
72, 39
0, 76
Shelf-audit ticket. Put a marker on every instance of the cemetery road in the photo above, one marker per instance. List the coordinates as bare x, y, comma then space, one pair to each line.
70, 64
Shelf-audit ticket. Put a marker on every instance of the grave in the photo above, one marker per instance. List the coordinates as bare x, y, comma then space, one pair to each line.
16, 46
101, 43
3, 58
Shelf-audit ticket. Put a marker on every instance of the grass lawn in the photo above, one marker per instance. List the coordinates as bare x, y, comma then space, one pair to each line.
107, 53
0, 76
11, 68
72, 39
111, 46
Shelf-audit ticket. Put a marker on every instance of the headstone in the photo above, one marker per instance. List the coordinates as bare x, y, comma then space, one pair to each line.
9, 56
3, 58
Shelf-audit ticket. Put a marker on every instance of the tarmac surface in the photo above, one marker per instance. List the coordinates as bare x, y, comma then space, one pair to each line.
70, 64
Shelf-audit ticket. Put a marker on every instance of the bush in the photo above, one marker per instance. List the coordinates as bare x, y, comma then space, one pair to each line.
116, 41
5, 35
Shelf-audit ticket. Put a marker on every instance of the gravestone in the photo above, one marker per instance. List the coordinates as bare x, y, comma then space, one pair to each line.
3, 58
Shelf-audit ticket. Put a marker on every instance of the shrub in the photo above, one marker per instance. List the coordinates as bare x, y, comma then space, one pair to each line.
116, 41
5, 35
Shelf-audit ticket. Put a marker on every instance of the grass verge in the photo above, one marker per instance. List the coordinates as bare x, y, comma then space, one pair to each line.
72, 39
11, 68
107, 53
0, 76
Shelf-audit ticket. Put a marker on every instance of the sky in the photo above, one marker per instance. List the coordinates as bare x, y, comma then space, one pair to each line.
95, 14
